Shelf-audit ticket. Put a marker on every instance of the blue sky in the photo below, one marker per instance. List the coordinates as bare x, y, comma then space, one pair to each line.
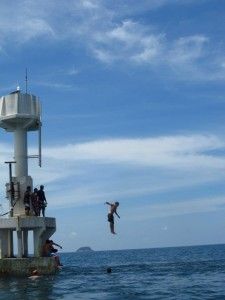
133, 101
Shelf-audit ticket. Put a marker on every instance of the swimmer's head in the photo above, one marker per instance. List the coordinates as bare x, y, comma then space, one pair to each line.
109, 270
35, 272
117, 203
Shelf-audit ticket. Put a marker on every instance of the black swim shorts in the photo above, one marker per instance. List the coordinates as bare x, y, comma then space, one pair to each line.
110, 218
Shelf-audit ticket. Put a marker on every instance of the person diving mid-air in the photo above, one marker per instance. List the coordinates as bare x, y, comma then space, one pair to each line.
113, 208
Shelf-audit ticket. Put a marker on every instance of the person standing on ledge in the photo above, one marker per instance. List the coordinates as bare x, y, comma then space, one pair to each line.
113, 208
42, 199
35, 202
26, 200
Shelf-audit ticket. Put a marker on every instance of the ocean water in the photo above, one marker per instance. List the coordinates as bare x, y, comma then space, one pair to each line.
165, 273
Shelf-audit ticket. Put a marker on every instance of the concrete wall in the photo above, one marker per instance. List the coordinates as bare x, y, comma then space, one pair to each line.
25, 266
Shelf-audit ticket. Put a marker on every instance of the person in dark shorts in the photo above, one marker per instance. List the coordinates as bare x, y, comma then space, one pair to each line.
42, 200
26, 200
113, 210
35, 202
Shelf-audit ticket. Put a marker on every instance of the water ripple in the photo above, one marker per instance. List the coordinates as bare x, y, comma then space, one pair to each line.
169, 273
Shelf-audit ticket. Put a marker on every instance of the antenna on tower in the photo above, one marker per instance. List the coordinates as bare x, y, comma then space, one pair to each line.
26, 79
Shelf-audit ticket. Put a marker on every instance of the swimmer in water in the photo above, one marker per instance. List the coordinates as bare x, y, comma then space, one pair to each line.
34, 275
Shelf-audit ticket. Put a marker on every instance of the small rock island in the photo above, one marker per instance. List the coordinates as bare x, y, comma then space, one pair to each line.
84, 249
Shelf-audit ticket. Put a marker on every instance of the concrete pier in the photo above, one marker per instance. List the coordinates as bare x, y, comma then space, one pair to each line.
22, 264
25, 266
42, 228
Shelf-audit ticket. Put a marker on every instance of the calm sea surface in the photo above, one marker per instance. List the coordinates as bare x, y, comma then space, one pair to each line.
165, 273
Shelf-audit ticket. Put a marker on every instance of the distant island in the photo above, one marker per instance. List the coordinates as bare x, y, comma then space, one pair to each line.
81, 249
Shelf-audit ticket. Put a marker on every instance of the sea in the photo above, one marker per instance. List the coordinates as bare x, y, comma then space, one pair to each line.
196, 272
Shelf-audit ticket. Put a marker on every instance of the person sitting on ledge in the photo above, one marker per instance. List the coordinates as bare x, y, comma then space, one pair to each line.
54, 244
49, 251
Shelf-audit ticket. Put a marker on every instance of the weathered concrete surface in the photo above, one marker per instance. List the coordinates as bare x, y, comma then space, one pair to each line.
43, 228
28, 222
25, 266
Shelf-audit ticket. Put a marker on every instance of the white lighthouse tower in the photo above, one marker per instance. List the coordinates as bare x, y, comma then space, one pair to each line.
19, 114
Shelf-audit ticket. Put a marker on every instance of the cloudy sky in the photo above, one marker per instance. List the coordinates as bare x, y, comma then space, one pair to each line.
133, 99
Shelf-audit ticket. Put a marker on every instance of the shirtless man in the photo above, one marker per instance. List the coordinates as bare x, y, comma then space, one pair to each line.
48, 251
113, 208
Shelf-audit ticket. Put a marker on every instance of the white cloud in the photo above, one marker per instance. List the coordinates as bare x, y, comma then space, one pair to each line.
162, 151
169, 152
19, 25
104, 56
31, 29
73, 71
176, 208
128, 40
187, 49
112, 37
133, 7
148, 166
89, 4
96, 171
